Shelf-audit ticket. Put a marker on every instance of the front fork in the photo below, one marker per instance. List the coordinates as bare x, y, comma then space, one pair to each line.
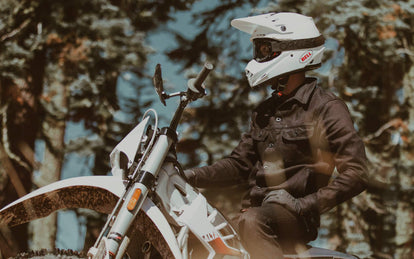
136, 195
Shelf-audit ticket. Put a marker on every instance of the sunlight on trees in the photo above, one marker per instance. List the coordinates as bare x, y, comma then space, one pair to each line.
61, 61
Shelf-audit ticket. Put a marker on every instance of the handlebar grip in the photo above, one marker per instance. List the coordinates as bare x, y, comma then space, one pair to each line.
202, 76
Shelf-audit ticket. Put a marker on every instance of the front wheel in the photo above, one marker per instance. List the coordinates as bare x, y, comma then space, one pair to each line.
146, 242
57, 253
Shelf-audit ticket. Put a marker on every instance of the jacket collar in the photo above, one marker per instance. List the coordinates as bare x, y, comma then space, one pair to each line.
303, 93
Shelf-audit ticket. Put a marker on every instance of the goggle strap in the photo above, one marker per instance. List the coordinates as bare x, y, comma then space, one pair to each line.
298, 44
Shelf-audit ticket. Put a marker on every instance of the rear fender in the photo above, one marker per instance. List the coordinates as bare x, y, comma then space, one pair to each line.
99, 193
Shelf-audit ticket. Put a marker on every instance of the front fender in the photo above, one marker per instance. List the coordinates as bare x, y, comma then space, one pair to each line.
99, 193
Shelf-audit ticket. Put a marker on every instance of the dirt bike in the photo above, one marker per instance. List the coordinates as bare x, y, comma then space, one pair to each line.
152, 211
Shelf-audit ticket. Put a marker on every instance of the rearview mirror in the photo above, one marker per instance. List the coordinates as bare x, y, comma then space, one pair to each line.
158, 83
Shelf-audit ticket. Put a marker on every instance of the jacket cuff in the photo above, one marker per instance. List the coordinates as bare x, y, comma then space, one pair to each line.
190, 176
310, 213
309, 205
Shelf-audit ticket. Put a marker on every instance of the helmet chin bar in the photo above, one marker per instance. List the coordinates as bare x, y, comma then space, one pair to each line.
280, 84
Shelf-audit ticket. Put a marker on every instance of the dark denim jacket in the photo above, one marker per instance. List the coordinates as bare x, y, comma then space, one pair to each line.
295, 143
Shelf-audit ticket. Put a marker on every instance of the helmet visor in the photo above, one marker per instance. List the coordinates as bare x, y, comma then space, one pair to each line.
263, 50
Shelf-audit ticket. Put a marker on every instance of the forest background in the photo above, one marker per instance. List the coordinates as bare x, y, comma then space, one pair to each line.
75, 77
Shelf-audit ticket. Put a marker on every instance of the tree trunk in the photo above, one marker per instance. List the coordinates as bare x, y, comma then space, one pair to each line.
44, 230
9, 246
404, 214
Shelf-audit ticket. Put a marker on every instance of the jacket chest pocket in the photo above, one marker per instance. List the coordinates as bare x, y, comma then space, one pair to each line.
264, 138
259, 135
296, 143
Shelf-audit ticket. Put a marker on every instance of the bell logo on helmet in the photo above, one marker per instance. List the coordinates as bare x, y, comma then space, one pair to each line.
306, 56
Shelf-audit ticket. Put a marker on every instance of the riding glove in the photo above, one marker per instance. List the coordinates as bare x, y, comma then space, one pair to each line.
285, 199
302, 207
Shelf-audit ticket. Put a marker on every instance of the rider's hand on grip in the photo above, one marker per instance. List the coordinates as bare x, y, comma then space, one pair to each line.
285, 199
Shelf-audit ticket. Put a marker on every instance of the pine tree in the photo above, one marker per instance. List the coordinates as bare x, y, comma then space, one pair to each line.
60, 62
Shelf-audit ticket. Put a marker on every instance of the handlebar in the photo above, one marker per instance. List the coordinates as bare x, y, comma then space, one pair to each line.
195, 91
202, 76
196, 84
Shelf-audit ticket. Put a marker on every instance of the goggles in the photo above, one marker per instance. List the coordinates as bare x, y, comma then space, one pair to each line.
265, 49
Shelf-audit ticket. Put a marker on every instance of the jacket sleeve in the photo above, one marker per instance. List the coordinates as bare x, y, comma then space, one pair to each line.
231, 170
349, 156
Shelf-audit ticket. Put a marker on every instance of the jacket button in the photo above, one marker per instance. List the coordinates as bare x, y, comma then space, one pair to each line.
278, 119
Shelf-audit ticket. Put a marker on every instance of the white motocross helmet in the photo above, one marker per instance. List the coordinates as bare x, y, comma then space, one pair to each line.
283, 44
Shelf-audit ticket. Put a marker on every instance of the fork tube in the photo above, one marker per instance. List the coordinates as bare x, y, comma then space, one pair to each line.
139, 190
108, 221
158, 154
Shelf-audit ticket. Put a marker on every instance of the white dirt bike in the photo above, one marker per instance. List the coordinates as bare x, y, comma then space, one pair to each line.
152, 211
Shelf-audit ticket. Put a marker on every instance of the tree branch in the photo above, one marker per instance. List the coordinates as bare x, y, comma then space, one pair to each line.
15, 31
11, 172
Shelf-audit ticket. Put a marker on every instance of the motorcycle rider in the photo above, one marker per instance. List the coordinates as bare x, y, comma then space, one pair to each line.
297, 138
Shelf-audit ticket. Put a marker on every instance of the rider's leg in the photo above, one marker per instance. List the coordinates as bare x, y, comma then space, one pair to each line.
265, 230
